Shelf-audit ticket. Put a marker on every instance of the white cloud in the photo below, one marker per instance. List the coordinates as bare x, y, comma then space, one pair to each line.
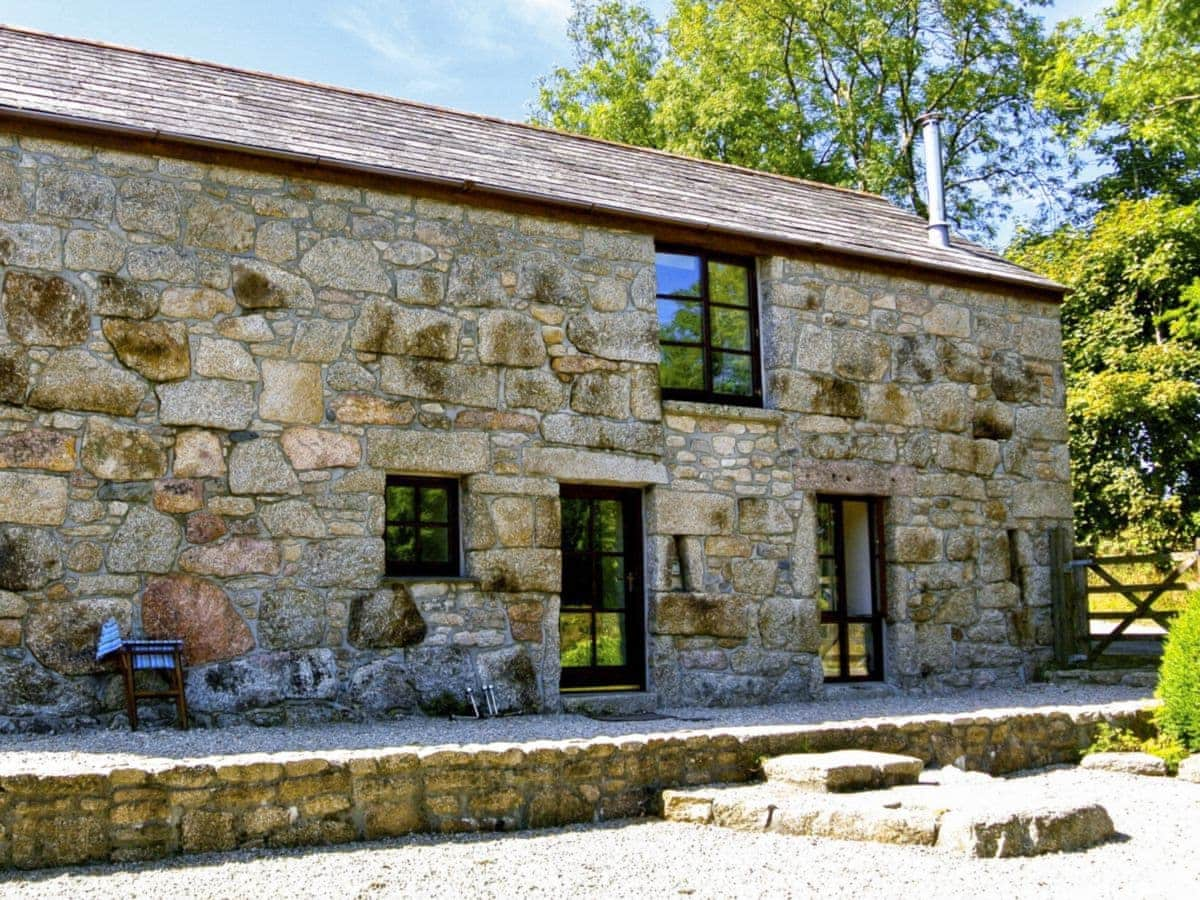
391, 37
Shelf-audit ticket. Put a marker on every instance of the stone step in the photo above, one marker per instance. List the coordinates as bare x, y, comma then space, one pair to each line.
610, 703
842, 771
967, 813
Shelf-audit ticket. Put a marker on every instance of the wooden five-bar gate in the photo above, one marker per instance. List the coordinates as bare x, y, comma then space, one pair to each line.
1086, 627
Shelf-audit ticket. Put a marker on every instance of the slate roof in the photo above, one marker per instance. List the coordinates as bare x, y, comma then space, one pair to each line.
112, 88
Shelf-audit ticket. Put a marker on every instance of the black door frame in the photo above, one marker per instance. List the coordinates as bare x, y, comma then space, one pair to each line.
841, 616
632, 675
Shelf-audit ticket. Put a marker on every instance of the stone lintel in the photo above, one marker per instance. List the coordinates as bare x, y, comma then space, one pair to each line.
426, 451
594, 467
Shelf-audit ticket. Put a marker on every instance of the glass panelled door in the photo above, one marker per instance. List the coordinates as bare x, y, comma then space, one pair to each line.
852, 596
601, 637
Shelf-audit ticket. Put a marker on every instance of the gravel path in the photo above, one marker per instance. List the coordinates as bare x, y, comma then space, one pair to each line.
1153, 856
101, 750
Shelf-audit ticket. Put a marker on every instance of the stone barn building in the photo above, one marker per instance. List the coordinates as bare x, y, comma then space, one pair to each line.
370, 401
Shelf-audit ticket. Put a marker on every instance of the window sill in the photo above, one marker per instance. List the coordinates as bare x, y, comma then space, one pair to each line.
723, 411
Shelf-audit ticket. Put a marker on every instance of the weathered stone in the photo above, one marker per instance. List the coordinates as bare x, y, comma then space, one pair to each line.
415, 451
717, 615
312, 448
383, 686
343, 562
29, 558
30, 246
515, 570
204, 527
62, 635
259, 467
145, 542
232, 557
384, 327
587, 431
28, 689
12, 201
216, 358
533, 389
150, 205
817, 394
198, 454
365, 409
860, 356
247, 329
37, 448
29, 499
12, 606
275, 241
204, 831
1015, 829
513, 678
44, 310
14, 374
544, 278
74, 194
616, 336
601, 394
945, 407
496, 420
291, 619
178, 495
593, 467
754, 576
759, 515
432, 380
197, 612
258, 285
195, 303
691, 512
345, 264
220, 226
177, 265
1013, 381
291, 392
156, 350
1189, 769
118, 453
510, 339
993, 420
1041, 500
387, 618
841, 771
892, 404
1129, 763
1042, 423
74, 379
99, 251
118, 297
319, 341
790, 623
263, 680
214, 403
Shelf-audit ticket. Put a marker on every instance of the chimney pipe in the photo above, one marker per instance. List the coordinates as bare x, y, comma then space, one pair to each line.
939, 233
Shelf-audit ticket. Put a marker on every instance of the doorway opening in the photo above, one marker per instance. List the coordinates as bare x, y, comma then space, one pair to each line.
852, 596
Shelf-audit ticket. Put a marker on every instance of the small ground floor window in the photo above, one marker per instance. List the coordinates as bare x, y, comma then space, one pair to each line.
852, 601
421, 526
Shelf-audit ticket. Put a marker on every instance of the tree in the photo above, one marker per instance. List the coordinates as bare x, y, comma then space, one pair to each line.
822, 89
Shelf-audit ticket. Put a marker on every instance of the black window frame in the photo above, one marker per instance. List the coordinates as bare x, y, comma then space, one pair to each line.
840, 616
708, 395
452, 567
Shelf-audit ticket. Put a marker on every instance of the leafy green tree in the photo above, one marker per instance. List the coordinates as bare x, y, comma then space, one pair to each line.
823, 89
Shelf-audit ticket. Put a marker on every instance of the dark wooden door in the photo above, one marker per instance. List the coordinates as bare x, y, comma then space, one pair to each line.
601, 629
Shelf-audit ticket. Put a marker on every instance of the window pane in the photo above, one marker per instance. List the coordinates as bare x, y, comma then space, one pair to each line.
435, 545
831, 654
731, 374
860, 648
574, 524
435, 506
610, 639
678, 274
401, 543
729, 329
728, 284
682, 367
400, 503
825, 522
610, 526
575, 639
612, 582
679, 320
577, 580
829, 588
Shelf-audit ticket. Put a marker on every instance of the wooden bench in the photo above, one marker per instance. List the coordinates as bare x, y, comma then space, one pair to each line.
139, 654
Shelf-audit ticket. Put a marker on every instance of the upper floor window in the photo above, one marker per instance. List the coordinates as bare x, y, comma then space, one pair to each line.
421, 526
707, 327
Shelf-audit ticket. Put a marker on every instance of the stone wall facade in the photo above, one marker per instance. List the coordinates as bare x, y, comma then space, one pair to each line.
207, 370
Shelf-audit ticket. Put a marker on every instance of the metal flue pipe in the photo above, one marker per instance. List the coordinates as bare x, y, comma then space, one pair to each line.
939, 232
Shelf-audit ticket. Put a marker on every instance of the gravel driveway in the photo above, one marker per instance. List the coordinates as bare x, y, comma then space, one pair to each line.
1154, 856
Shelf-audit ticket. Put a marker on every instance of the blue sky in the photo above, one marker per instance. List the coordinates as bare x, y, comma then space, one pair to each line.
476, 55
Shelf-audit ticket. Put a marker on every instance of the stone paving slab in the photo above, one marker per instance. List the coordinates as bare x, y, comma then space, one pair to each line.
968, 813
842, 771
1131, 763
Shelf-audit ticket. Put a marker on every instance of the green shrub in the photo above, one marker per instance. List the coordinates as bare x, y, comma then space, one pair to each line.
1179, 678
1121, 740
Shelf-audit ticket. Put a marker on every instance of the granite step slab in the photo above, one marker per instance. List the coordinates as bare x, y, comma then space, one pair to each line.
843, 771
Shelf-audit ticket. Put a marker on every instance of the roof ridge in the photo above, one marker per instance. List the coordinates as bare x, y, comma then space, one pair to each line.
375, 95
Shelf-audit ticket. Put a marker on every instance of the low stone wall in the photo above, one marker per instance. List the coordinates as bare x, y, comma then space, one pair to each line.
135, 814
